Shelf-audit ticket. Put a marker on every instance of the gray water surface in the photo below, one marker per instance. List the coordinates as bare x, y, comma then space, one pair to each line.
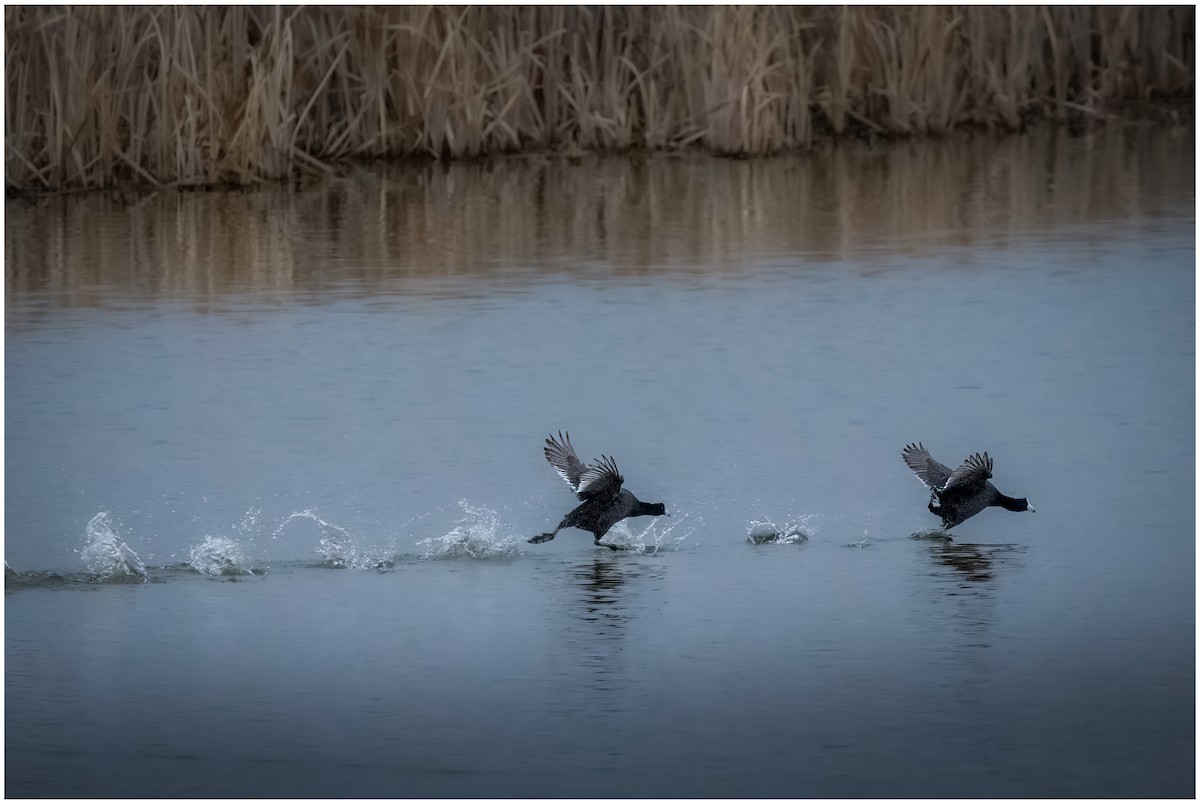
272, 459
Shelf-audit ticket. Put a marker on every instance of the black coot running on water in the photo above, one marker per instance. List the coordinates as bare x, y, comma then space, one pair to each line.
959, 495
605, 503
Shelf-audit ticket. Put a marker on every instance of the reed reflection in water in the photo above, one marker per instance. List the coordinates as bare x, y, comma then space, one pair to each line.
403, 230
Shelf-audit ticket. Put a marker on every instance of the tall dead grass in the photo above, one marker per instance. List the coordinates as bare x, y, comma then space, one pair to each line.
201, 95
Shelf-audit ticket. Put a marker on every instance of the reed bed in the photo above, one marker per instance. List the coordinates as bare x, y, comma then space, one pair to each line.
187, 96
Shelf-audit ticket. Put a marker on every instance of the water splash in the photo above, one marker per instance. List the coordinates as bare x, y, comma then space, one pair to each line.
249, 520
653, 538
107, 557
219, 555
339, 547
934, 534
476, 535
795, 530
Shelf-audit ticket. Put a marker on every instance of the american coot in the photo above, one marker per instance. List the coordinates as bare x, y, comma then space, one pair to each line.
959, 495
605, 503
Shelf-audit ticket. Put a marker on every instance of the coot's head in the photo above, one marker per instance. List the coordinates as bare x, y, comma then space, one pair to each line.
1016, 504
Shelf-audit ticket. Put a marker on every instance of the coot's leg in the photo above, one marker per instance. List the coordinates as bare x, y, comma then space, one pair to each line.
544, 537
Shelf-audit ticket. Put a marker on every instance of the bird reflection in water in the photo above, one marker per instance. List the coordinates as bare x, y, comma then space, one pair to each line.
975, 563
964, 582
968, 559
600, 579
600, 613
967, 577
961, 584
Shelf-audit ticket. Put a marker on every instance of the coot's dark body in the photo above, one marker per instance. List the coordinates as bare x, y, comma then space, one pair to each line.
605, 503
958, 495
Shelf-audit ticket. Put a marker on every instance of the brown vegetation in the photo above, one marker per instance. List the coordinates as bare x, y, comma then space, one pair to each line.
208, 95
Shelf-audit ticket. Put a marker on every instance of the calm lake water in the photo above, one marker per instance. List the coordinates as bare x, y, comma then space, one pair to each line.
272, 459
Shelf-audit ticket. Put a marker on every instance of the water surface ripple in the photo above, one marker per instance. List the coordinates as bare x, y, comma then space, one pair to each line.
272, 461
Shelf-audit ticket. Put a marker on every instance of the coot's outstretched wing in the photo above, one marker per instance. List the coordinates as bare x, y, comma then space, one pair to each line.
974, 472
601, 479
562, 457
932, 474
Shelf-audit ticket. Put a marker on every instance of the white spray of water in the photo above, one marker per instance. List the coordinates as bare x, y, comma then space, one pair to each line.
935, 534
249, 520
653, 538
219, 555
338, 546
476, 535
794, 530
106, 555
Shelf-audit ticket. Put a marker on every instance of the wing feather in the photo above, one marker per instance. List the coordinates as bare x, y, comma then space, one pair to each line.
930, 472
974, 472
562, 457
601, 479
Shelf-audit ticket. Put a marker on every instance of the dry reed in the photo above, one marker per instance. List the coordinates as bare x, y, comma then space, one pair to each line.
187, 96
